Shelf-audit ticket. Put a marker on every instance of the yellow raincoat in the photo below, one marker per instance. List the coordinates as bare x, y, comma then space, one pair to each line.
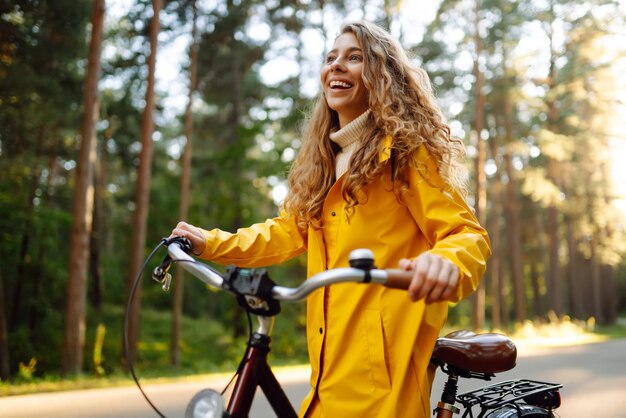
370, 346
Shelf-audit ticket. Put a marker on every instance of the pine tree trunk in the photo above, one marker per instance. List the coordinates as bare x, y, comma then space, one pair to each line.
37, 311
140, 218
185, 189
478, 316
75, 311
235, 120
513, 219
555, 286
534, 280
515, 248
24, 259
609, 294
586, 285
539, 260
494, 276
596, 294
576, 309
5, 371
100, 182
494, 227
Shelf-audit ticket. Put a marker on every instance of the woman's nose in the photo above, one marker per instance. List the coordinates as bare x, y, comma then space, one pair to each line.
337, 65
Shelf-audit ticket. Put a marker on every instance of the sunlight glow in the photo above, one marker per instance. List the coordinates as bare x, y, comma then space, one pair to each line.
617, 124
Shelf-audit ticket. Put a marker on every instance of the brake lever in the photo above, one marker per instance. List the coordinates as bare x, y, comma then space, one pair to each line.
161, 273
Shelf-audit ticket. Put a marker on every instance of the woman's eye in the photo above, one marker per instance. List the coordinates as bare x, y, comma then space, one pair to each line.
352, 58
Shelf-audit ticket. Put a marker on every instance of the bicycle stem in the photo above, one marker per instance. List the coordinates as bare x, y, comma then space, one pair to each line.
266, 324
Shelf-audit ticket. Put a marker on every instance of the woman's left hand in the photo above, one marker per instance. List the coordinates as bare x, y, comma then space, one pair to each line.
434, 279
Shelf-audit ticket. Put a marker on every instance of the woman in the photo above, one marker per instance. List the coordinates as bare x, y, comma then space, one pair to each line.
378, 169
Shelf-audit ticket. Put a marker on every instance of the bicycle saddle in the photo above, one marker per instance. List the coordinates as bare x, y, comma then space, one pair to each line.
481, 353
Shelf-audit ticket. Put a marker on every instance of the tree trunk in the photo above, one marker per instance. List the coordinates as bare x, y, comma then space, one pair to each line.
513, 218
555, 287
140, 218
234, 119
586, 287
596, 294
494, 276
100, 182
185, 188
539, 260
574, 288
478, 316
75, 311
505, 291
495, 261
609, 294
5, 371
534, 280
499, 320
37, 311
24, 259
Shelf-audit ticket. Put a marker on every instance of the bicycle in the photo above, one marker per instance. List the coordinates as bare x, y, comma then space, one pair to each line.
461, 354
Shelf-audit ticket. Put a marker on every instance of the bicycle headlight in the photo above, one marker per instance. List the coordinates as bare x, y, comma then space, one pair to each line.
205, 404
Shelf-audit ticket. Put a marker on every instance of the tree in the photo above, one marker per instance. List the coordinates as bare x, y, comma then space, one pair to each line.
480, 199
5, 371
185, 184
74, 336
140, 217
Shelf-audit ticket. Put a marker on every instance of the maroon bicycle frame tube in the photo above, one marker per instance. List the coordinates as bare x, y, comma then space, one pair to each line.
256, 372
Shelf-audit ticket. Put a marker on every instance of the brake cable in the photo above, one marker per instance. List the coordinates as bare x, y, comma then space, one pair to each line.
129, 360
131, 296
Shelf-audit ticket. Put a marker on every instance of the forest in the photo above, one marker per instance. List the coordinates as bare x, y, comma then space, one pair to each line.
117, 119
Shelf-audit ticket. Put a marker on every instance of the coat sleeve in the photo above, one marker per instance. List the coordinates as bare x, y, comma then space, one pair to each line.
448, 224
271, 242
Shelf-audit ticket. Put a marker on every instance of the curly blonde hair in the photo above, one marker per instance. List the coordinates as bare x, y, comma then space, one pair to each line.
402, 105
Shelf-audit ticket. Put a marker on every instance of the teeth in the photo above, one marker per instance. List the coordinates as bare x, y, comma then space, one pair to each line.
340, 84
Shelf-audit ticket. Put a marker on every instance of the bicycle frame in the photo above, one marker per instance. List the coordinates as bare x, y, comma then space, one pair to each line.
255, 371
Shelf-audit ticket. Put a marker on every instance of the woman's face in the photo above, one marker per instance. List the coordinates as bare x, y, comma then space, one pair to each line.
342, 79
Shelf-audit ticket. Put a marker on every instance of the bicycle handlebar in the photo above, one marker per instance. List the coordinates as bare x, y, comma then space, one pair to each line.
362, 271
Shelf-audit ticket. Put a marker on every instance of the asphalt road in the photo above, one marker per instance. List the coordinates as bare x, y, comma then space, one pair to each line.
593, 375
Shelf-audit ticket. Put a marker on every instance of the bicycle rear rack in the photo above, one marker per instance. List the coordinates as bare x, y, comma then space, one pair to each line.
512, 393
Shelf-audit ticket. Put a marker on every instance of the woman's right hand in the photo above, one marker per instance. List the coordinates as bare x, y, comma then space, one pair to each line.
193, 234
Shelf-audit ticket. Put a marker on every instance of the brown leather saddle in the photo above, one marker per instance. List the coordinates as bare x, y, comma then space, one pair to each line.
479, 353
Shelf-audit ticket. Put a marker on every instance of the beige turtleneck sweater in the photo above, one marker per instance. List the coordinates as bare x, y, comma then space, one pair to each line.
348, 138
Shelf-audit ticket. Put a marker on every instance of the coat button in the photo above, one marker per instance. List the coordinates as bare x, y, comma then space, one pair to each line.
321, 330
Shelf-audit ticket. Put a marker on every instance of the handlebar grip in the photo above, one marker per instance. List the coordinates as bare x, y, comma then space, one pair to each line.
398, 279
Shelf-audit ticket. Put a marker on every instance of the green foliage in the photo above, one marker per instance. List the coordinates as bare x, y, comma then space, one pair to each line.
26, 371
207, 344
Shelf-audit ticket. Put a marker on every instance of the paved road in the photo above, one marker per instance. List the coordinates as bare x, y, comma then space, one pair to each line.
593, 375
